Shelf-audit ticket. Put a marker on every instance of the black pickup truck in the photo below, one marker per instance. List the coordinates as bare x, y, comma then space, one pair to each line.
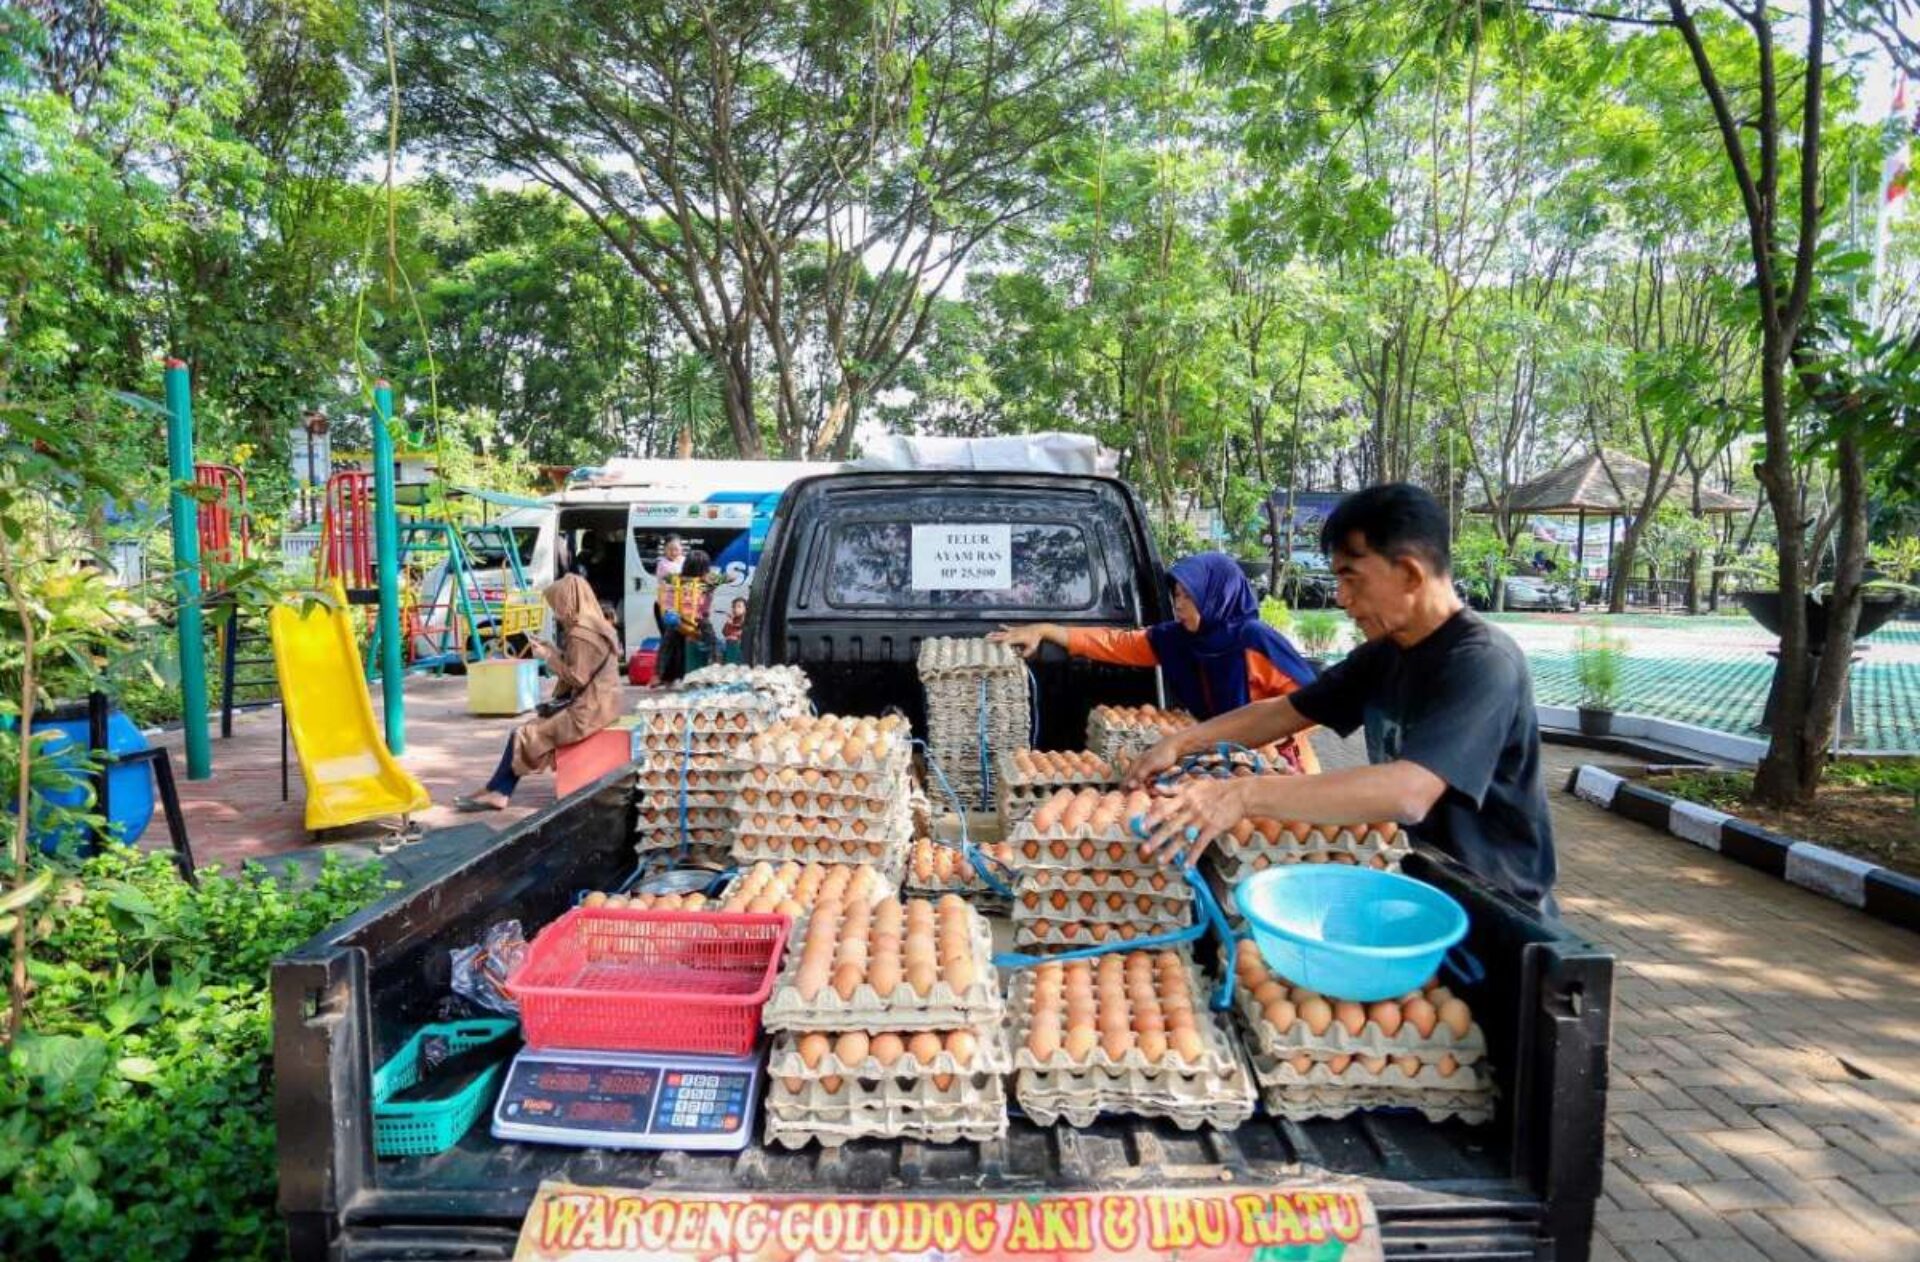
835, 593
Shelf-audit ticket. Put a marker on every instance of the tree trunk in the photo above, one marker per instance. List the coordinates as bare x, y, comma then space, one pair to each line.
1783, 770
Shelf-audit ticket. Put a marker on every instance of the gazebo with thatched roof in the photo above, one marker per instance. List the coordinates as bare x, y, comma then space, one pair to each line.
1609, 482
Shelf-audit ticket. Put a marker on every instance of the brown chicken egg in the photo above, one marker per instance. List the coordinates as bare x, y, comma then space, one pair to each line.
1318, 1014
1454, 1015
886, 1048
1420, 1015
846, 978
1351, 1016
812, 1048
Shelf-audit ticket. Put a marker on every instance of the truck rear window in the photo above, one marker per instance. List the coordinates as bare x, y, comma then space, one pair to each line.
870, 566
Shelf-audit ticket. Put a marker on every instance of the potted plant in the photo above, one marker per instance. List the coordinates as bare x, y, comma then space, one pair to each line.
1597, 658
1318, 631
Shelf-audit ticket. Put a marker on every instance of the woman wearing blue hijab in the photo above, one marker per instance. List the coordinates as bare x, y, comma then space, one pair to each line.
1215, 654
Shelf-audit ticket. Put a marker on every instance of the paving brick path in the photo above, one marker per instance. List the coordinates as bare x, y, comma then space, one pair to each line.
1766, 1052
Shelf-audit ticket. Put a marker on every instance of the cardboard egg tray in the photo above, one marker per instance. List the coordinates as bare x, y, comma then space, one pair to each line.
1264, 1041
1475, 1108
980, 1116
1112, 850
661, 746
887, 857
702, 773
941, 1008
968, 657
784, 1061
1219, 1058
1236, 870
1091, 891
1222, 1107
781, 745
874, 820
1464, 1080
786, 686
961, 1095
789, 795
1122, 733
963, 879
1070, 935
880, 887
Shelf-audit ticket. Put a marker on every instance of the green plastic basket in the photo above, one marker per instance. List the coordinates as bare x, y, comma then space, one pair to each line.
419, 1127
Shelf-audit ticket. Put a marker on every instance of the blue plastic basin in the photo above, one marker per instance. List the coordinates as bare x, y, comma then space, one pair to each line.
1351, 933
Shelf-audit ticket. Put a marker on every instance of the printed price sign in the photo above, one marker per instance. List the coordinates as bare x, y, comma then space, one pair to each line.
1292, 1224
975, 558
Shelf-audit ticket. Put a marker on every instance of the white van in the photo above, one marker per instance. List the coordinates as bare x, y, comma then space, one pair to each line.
611, 525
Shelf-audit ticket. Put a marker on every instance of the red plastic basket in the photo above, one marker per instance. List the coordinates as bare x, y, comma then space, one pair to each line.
626, 980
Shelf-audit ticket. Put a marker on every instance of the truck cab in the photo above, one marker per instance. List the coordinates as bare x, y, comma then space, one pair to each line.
860, 567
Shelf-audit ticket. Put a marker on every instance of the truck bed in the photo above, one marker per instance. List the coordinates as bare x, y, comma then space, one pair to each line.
1521, 1187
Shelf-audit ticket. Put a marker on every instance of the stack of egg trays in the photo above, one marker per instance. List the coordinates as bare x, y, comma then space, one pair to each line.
1116, 736
1040, 920
978, 1007
965, 882
707, 799
1020, 791
952, 671
883, 889
1466, 1094
778, 815
900, 1101
1217, 1092
1269, 847
786, 686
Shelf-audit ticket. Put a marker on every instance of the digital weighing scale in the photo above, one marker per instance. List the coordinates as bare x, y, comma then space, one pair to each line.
629, 1100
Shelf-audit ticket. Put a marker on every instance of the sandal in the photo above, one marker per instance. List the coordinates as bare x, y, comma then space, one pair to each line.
473, 806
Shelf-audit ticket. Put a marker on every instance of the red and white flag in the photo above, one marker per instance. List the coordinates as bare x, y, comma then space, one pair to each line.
1902, 125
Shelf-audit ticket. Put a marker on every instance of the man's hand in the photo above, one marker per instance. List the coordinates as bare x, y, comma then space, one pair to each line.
1024, 640
1186, 820
1162, 757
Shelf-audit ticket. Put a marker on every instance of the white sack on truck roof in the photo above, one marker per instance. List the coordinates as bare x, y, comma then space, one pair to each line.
1018, 453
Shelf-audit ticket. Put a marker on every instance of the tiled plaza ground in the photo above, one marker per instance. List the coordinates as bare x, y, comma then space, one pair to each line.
1714, 672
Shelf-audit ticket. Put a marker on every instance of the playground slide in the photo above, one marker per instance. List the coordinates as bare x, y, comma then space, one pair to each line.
350, 775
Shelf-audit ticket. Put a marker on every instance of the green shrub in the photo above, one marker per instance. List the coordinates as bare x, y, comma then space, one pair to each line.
1597, 658
1318, 630
1274, 612
136, 1110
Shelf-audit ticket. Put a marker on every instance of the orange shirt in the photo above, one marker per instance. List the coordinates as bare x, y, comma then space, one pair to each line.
1133, 648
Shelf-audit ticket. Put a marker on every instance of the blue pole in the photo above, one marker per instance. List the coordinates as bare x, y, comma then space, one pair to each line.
184, 525
386, 542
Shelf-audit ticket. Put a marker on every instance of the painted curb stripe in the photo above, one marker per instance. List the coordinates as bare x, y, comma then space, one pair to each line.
1595, 785
1698, 824
1838, 876
1879, 891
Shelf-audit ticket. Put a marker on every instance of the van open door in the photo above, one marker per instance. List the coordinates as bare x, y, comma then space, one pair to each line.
720, 525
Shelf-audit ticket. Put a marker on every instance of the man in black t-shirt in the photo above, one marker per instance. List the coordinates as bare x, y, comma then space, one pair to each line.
1445, 699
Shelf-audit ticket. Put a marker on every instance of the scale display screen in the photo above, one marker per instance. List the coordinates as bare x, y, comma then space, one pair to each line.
603, 1099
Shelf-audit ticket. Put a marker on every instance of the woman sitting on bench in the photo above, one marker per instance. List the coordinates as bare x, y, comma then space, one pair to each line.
586, 695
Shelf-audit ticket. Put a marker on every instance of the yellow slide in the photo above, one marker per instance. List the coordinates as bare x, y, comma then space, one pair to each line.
350, 775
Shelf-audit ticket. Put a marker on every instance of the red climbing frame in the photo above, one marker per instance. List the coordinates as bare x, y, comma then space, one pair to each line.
218, 514
346, 529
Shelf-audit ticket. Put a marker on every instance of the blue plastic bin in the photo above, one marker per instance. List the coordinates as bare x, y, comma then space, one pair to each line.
1348, 932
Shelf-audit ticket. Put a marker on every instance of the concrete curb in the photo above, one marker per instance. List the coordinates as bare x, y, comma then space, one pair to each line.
1891, 896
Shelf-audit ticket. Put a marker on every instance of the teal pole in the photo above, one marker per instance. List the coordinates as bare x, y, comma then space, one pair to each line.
184, 524
386, 544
